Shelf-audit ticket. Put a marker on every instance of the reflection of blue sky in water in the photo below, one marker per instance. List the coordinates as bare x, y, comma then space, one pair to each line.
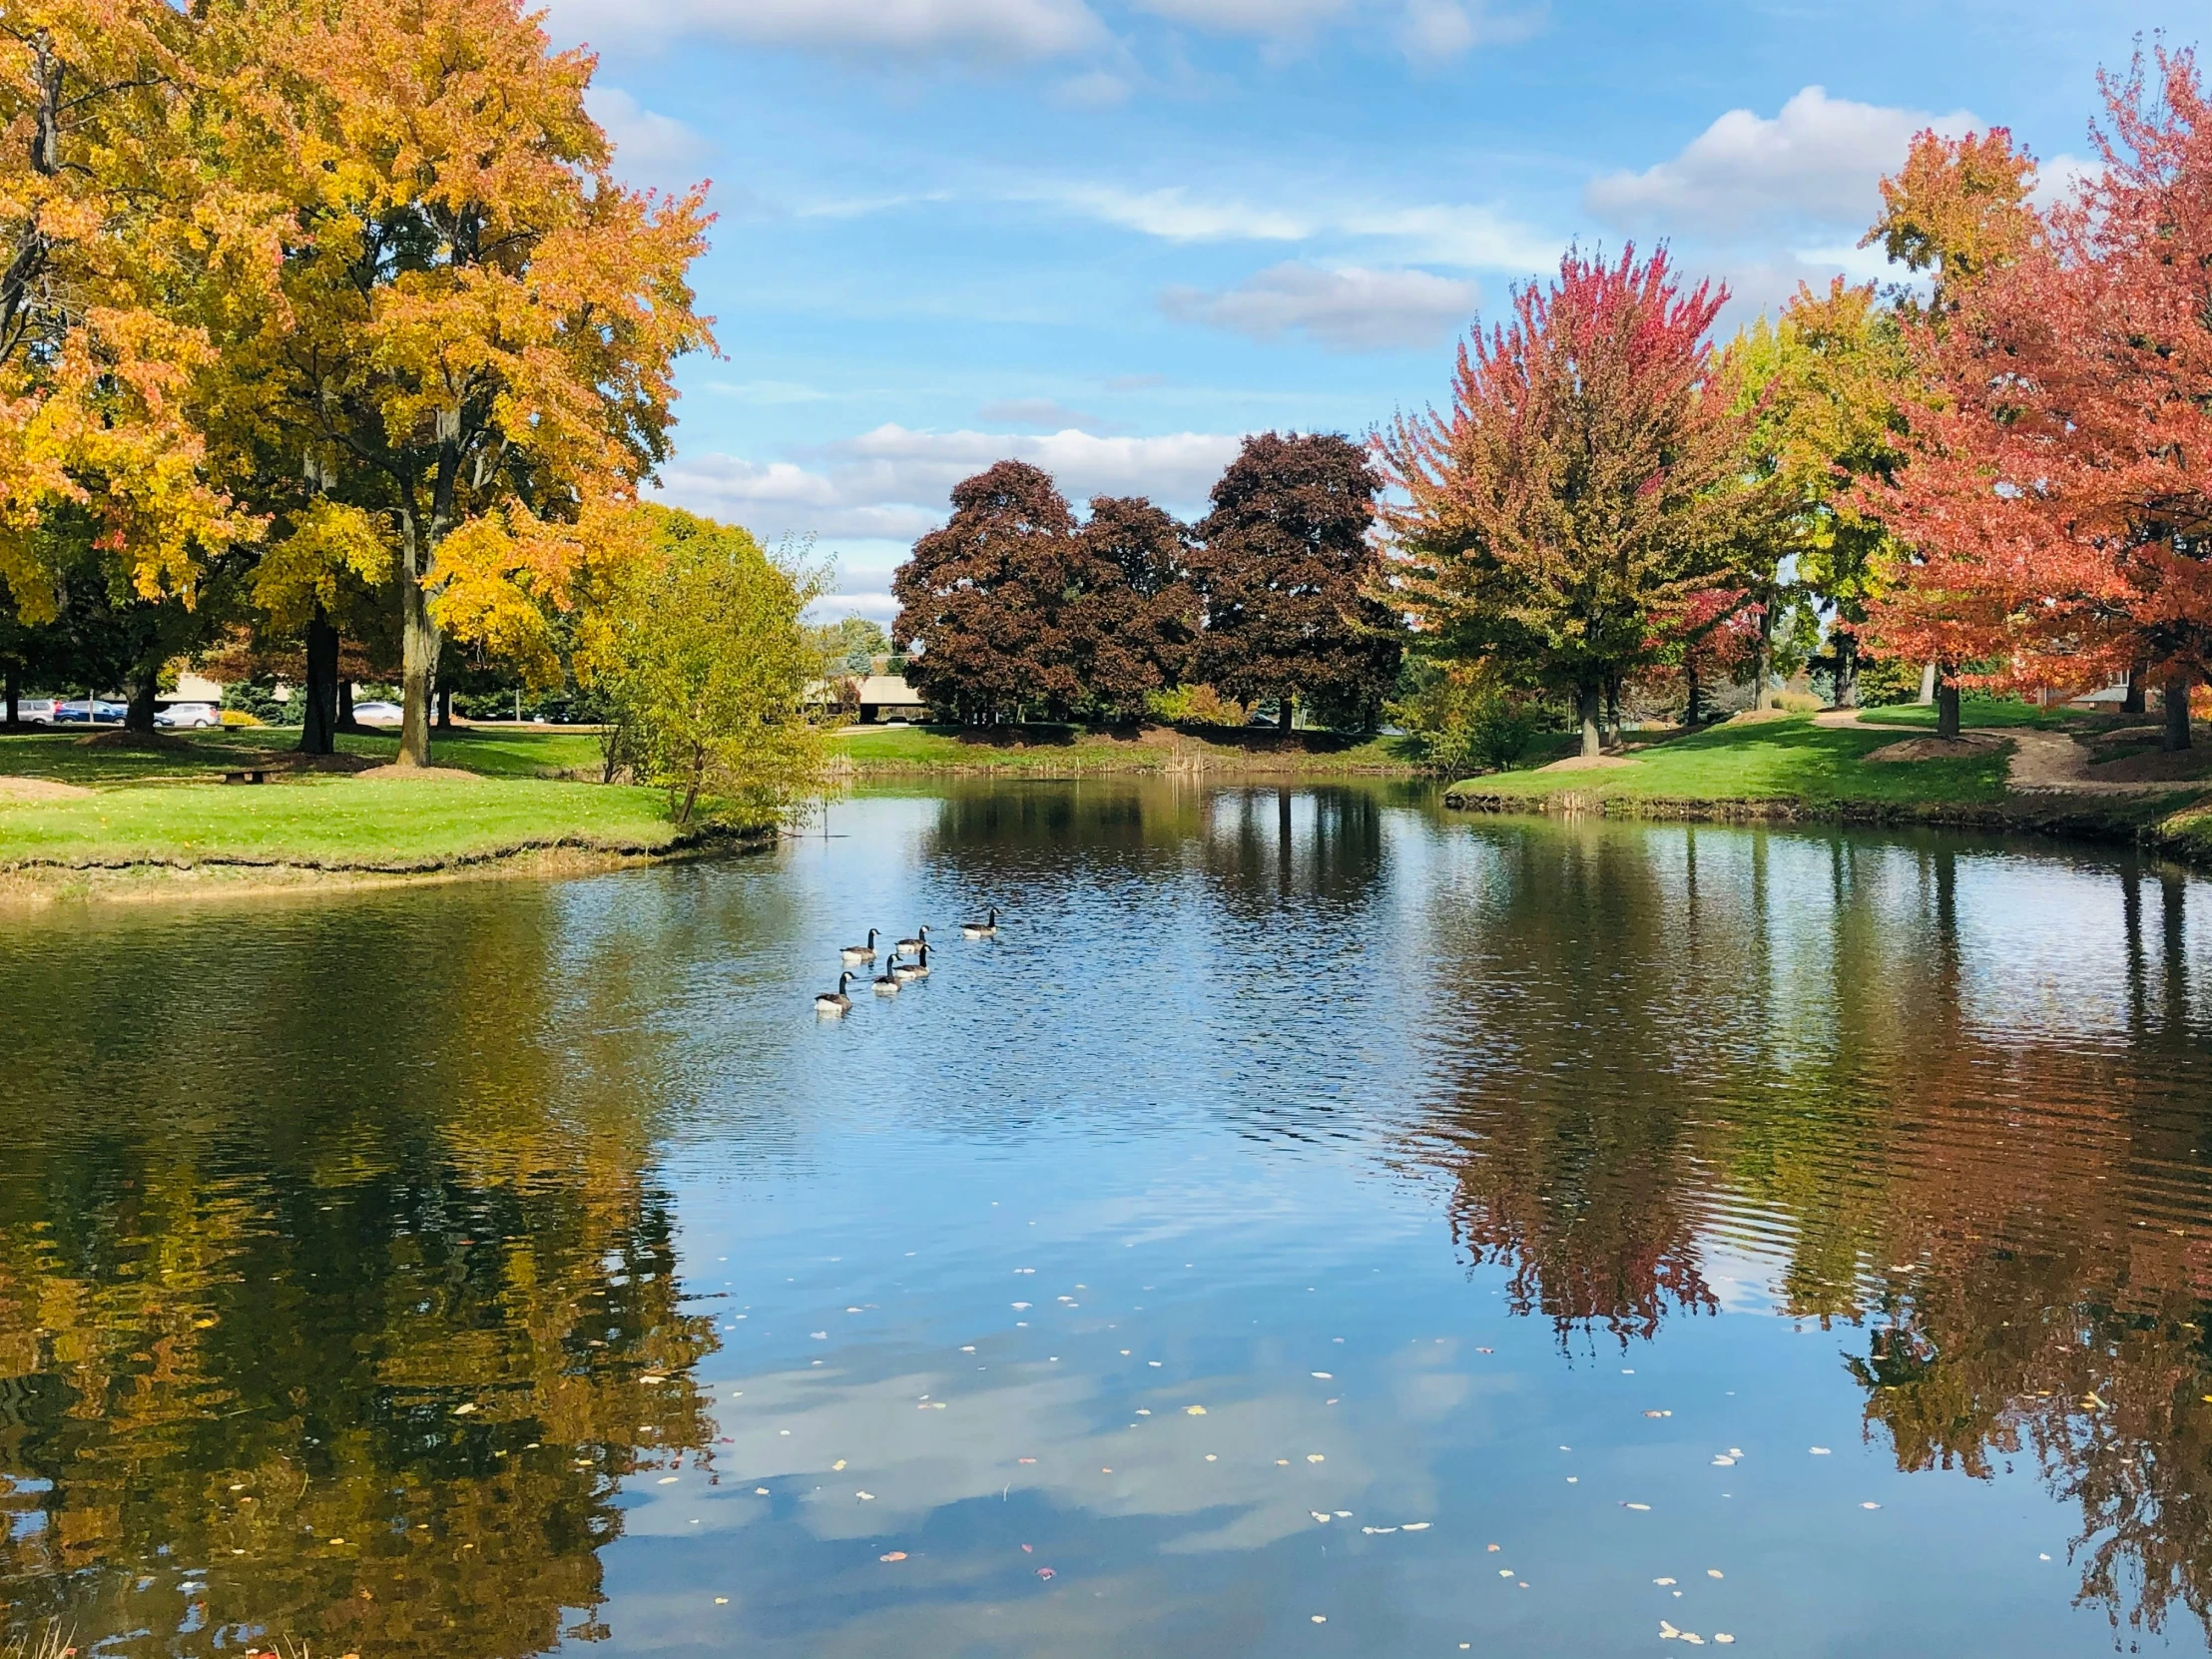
1454, 1112
1196, 1090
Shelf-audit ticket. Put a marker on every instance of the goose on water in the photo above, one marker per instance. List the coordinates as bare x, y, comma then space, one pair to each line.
987, 928
834, 1004
908, 947
861, 952
917, 969
886, 982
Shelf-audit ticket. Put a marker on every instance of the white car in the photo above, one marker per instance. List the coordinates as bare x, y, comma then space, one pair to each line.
197, 716
37, 711
379, 714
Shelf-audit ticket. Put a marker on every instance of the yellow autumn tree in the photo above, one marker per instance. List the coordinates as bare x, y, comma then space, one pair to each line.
469, 359
117, 228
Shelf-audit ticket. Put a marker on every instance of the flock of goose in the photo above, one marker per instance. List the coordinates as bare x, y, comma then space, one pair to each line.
898, 971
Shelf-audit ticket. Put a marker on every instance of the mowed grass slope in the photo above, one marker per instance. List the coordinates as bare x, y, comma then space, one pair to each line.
330, 821
494, 751
169, 806
1789, 759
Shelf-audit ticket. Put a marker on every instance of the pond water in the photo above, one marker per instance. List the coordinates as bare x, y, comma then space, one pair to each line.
1319, 1223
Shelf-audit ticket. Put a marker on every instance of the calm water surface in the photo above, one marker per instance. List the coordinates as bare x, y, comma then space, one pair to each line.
1319, 1225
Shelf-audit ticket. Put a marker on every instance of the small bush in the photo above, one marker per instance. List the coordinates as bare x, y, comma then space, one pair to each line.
1799, 702
1194, 705
239, 716
1463, 723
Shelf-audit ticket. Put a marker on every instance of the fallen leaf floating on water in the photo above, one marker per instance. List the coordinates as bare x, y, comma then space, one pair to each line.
865, 1497
1194, 1410
1319, 1514
652, 1377
760, 1492
722, 1601
1028, 1549
2090, 1402
1724, 1462
893, 1555
1372, 1531
1662, 1581
1326, 1377
1321, 1619
1870, 1506
463, 1410
1314, 1457
1819, 1452
1667, 1632
1658, 1414
1025, 1459
1415, 1526
666, 1480
1021, 1306
1723, 1637
838, 1465
1636, 1507
1046, 1572
1712, 1572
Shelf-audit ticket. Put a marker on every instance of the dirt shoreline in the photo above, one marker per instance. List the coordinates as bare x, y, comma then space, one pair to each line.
2093, 821
38, 883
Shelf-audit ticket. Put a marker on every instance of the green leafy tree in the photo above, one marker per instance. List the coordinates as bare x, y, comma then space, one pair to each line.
698, 646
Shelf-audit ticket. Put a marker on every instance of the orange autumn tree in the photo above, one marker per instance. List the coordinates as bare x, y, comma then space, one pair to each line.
2060, 496
471, 361
115, 232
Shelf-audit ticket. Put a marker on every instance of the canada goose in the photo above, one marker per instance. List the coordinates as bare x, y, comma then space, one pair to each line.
908, 947
861, 952
834, 1004
917, 969
987, 928
886, 982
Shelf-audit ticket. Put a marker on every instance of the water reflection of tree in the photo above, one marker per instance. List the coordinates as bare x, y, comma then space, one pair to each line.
412, 1309
2017, 1221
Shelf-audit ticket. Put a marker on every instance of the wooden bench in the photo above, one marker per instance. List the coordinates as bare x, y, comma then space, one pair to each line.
249, 774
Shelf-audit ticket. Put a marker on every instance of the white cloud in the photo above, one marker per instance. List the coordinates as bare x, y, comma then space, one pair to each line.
893, 31
1274, 18
650, 148
1818, 161
1173, 215
1350, 309
1441, 232
1434, 28
894, 483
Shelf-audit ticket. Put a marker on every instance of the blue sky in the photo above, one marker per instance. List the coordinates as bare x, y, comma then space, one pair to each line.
1112, 236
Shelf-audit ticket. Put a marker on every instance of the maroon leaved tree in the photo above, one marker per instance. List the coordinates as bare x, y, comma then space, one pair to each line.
984, 599
1286, 568
1133, 624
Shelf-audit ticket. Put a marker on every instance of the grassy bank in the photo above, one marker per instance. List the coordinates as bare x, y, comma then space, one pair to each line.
1075, 750
70, 809
1791, 769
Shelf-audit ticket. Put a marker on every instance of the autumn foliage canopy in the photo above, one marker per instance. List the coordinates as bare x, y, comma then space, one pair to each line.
2058, 495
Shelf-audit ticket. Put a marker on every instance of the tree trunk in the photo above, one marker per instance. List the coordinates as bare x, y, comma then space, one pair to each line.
1590, 703
319, 716
1946, 711
2135, 703
1286, 712
418, 648
2177, 710
1692, 707
1928, 685
12, 689
1846, 671
345, 706
1763, 664
445, 708
137, 713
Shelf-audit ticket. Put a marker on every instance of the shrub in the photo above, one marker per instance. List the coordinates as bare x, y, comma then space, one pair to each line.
1799, 702
1194, 705
1462, 721
699, 651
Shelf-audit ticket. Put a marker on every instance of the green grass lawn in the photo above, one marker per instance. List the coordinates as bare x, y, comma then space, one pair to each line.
1982, 713
330, 821
1062, 748
494, 751
1788, 759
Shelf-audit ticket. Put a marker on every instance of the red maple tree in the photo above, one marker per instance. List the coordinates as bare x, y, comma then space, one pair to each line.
2060, 494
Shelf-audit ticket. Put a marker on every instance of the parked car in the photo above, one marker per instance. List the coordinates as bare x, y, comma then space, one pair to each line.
195, 716
379, 714
99, 710
36, 711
